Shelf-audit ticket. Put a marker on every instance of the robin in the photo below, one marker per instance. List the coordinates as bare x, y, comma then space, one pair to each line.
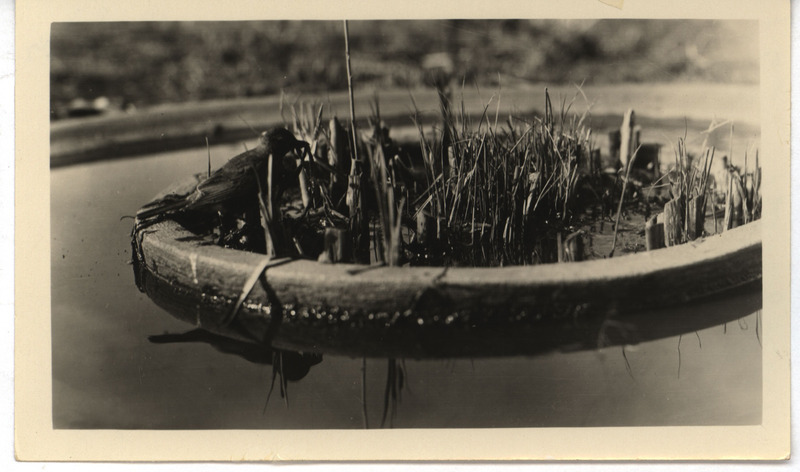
236, 184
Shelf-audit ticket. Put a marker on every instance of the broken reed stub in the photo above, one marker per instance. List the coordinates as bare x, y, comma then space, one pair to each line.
426, 228
654, 232
739, 202
614, 139
680, 222
628, 137
452, 163
359, 225
673, 222
697, 217
734, 213
338, 247
574, 248
338, 159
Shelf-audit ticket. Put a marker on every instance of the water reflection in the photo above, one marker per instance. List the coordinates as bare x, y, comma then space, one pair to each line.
622, 333
286, 365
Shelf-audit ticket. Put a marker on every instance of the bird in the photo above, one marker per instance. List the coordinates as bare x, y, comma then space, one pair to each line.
236, 184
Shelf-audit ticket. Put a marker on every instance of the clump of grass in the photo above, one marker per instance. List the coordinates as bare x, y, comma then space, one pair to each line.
751, 184
500, 196
497, 193
742, 194
693, 188
691, 175
689, 186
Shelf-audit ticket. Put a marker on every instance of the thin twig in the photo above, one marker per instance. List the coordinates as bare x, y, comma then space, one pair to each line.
350, 89
622, 198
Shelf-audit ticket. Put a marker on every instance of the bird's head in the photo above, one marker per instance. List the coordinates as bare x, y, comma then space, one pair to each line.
280, 142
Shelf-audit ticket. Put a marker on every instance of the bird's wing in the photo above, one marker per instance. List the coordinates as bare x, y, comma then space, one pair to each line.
232, 181
221, 188
168, 203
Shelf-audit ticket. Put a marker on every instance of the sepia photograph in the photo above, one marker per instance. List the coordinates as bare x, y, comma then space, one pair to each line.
328, 227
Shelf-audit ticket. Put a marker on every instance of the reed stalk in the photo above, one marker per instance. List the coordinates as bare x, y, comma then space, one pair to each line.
359, 227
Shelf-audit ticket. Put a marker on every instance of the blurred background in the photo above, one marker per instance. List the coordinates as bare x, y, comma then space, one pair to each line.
128, 65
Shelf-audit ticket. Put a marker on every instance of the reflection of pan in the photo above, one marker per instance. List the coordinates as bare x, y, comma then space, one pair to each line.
295, 365
434, 312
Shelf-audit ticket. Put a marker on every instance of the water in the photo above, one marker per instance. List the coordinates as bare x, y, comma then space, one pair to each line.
106, 374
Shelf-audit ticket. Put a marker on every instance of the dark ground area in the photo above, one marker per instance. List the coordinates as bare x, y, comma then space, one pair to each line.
146, 63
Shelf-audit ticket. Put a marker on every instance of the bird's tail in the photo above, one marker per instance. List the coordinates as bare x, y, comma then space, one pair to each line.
162, 206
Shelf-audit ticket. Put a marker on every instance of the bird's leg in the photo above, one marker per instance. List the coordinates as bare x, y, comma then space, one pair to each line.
278, 231
237, 229
253, 229
221, 239
269, 204
229, 228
